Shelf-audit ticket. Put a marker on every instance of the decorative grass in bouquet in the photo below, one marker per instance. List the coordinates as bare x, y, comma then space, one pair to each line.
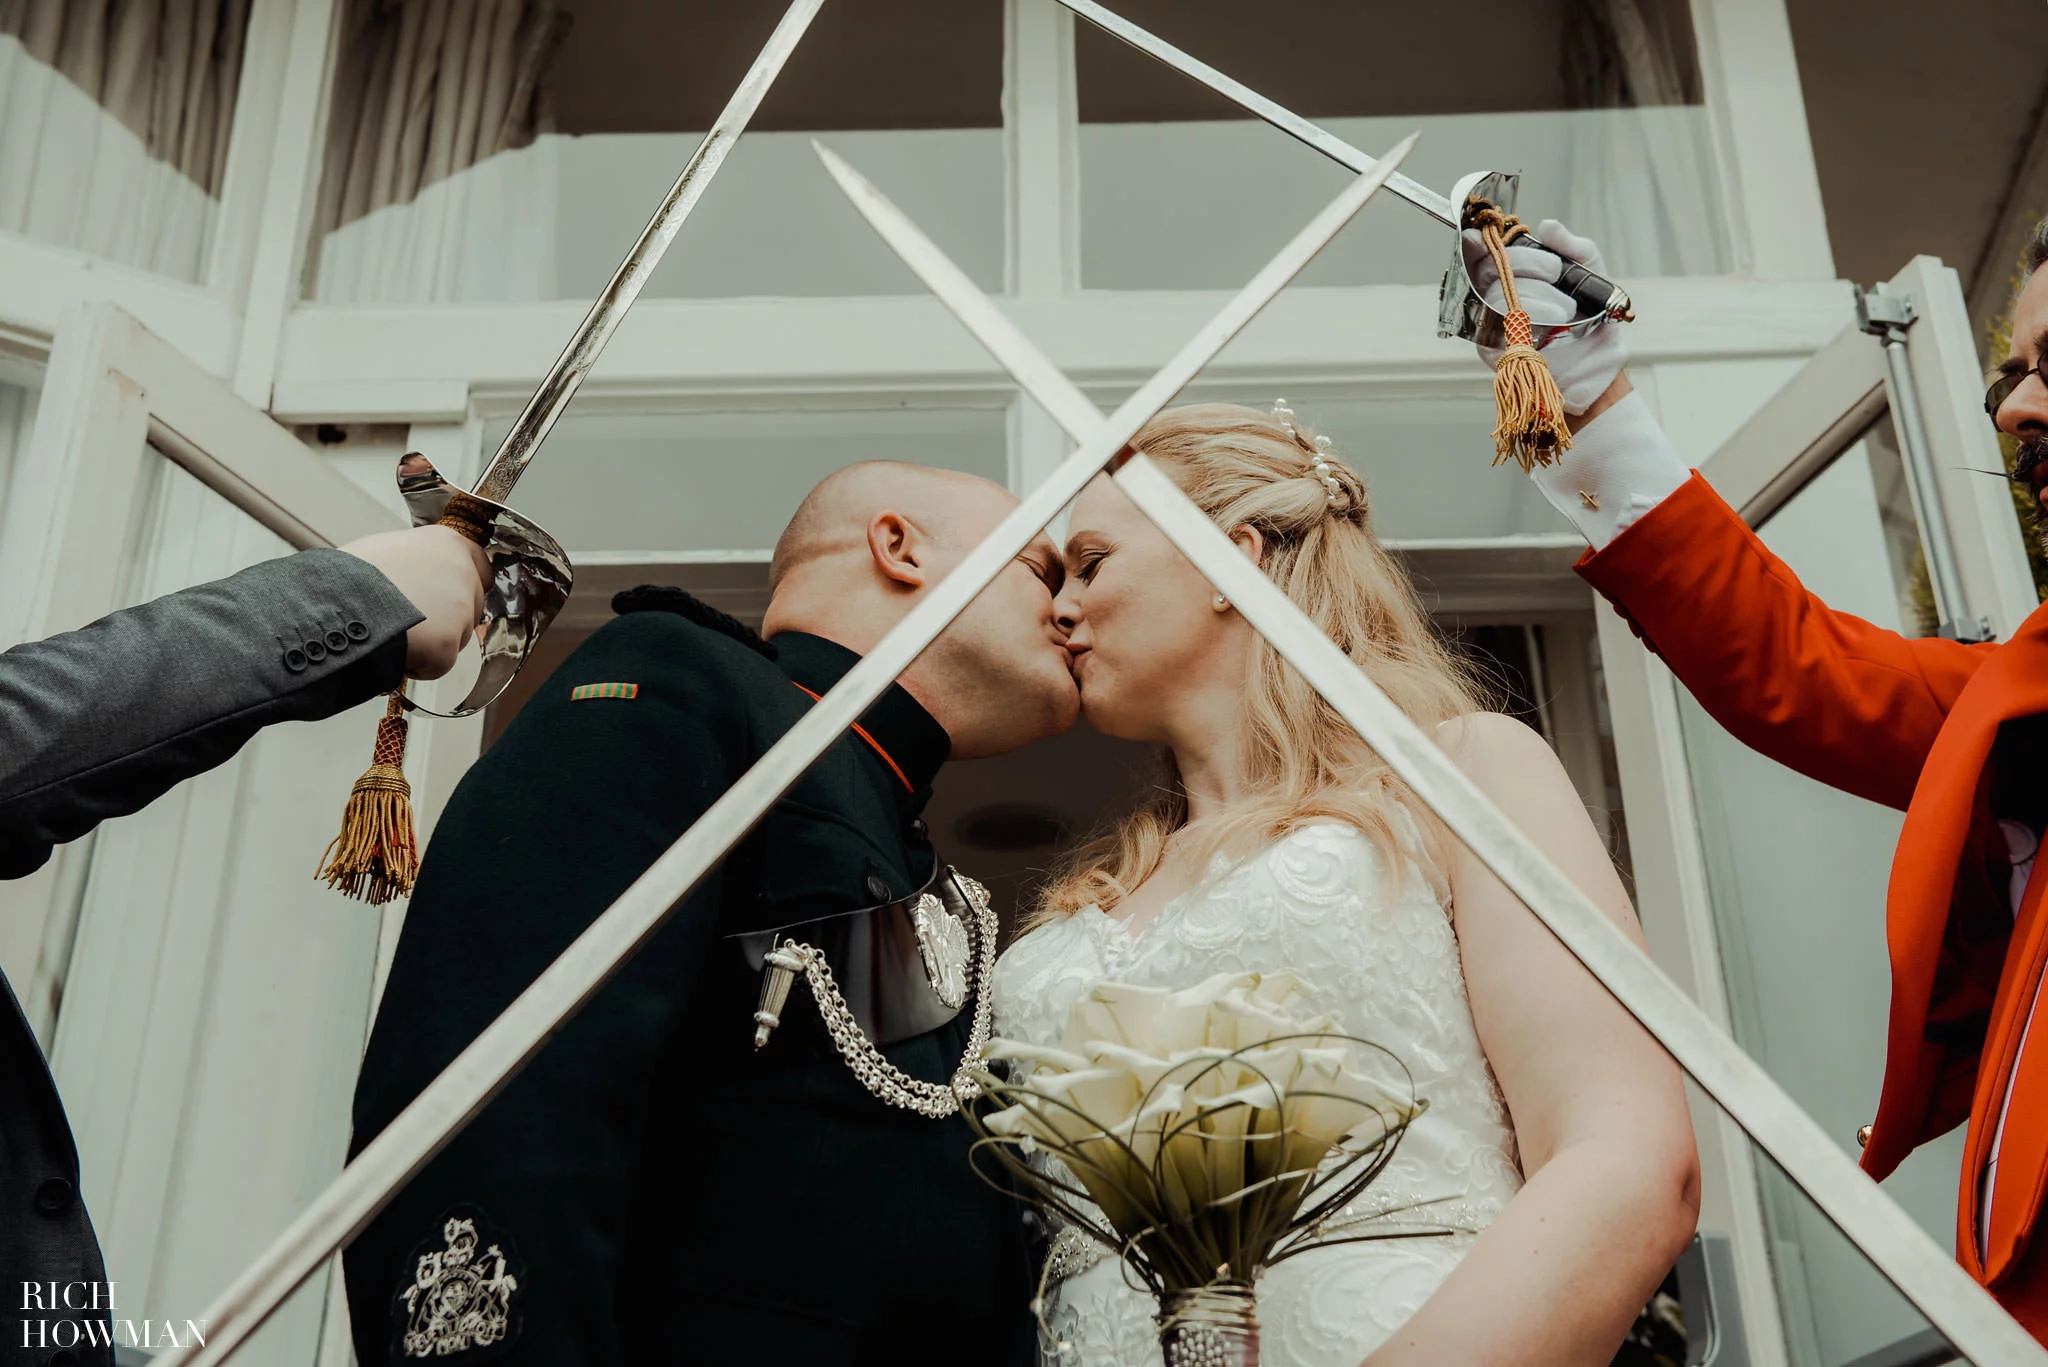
1201, 1135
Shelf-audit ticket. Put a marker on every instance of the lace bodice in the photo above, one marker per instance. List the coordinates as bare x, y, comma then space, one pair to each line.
1376, 941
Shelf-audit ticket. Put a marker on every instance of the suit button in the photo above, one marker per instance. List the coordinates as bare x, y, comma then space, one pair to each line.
316, 650
295, 660
878, 887
357, 631
54, 1195
337, 641
918, 830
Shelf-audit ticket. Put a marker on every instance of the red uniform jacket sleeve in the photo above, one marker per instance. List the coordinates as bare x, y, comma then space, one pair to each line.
1823, 692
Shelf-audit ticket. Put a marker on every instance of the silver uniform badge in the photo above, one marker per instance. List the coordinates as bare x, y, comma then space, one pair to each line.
458, 1301
942, 942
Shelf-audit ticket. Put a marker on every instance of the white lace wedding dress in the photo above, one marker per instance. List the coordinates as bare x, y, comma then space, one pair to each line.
1325, 904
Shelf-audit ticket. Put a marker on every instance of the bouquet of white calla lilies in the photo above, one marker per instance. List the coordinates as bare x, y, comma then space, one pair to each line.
1214, 1129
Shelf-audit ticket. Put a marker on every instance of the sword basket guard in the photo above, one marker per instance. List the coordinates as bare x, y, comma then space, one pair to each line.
530, 575
1463, 312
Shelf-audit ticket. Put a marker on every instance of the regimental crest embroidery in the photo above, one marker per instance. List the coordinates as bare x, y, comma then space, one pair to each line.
460, 1299
943, 945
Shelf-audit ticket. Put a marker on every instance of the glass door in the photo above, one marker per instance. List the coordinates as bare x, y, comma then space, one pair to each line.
203, 999
1772, 886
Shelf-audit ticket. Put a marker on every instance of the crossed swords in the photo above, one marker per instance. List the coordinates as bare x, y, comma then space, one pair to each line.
1922, 1271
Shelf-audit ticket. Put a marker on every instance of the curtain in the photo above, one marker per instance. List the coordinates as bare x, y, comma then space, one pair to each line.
1642, 179
435, 189
114, 122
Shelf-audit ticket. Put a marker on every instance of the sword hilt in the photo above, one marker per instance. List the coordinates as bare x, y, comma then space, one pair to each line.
1594, 293
470, 517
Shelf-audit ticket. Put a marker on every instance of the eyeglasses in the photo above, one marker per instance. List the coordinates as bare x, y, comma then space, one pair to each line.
2001, 388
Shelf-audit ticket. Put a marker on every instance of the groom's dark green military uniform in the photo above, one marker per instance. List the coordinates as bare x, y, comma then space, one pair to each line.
650, 1189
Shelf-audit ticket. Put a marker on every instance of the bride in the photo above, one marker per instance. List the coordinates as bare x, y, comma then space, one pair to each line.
1555, 1143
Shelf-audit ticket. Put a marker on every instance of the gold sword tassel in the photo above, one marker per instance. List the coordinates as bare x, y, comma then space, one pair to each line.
377, 855
1529, 425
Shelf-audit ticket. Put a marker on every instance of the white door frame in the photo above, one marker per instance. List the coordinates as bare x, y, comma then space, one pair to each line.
113, 396
160, 1102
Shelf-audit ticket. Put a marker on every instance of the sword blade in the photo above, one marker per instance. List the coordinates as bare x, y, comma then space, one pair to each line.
571, 368
477, 1074
1902, 1251
1279, 115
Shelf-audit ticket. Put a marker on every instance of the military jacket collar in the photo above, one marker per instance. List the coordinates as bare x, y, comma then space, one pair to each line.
911, 736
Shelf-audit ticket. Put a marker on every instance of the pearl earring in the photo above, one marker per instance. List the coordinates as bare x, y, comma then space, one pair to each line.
1220, 603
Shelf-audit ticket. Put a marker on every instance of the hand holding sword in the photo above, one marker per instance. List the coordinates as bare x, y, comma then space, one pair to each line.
442, 574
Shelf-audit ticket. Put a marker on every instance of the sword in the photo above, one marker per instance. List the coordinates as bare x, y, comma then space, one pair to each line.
530, 574
447, 1103
1463, 311
1962, 1310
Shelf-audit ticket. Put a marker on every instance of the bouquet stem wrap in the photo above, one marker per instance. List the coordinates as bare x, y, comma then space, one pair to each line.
1210, 1326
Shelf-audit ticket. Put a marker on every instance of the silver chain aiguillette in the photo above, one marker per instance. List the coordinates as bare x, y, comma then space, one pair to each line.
875, 1072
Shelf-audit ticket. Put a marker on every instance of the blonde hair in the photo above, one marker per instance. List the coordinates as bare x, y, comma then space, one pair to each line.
1302, 761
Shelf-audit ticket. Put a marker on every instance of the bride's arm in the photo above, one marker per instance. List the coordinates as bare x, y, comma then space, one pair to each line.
1599, 1111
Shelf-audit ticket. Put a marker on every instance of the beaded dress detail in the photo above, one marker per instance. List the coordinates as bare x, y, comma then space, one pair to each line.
1374, 938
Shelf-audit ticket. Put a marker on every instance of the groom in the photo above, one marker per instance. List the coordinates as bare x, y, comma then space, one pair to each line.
651, 1188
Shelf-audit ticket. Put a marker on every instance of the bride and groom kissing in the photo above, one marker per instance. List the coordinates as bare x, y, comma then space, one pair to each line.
651, 1188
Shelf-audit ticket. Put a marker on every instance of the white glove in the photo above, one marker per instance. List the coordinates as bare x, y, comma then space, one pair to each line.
1583, 363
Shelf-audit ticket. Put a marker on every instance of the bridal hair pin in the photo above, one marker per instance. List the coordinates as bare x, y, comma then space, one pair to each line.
1319, 461
1284, 415
1321, 464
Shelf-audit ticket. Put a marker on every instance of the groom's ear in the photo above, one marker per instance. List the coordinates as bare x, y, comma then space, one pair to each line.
899, 549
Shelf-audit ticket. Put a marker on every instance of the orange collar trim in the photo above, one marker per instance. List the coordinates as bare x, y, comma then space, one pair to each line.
873, 744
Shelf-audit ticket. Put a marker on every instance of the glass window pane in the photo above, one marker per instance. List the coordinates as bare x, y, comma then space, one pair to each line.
1425, 462
1610, 135
114, 122
1803, 937
1912, 587
668, 482
17, 422
518, 159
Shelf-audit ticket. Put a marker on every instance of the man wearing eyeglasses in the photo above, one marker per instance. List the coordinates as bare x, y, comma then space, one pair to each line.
1954, 734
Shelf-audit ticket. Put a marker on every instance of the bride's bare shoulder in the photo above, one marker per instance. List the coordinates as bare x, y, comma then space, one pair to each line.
1485, 740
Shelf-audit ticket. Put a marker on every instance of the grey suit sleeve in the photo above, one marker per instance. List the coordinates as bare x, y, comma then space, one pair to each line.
102, 721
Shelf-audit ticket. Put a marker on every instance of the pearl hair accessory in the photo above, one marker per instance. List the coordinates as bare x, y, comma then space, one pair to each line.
1319, 461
